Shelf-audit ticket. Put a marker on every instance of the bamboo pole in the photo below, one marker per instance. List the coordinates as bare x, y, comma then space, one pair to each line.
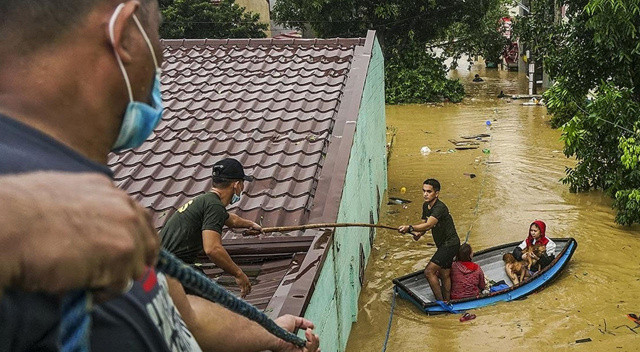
323, 225
315, 226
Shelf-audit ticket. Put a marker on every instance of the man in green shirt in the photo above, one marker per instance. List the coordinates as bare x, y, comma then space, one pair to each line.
197, 225
436, 217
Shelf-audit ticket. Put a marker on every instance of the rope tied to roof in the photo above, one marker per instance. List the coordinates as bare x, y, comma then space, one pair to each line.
76, 307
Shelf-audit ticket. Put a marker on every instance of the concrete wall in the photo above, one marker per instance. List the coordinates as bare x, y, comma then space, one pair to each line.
334, 305
260, 7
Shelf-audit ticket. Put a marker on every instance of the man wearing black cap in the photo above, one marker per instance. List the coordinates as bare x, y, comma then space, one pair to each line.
197, 225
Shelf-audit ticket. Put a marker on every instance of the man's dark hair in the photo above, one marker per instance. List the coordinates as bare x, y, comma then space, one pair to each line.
433, 183
464, 253
34, 24
219, 182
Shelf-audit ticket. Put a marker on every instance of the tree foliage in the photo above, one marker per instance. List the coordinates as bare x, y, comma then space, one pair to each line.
594, 57
405, 28
206, 19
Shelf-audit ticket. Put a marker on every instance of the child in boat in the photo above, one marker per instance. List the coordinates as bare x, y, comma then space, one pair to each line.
537, 235
467, 278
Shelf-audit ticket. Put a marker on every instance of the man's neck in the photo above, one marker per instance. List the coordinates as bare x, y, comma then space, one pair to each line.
224, 195
432, 203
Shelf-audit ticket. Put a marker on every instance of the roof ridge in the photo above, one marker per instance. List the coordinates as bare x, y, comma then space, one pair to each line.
261, 41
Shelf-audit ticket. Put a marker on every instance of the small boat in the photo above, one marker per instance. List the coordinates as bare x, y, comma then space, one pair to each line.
415, 288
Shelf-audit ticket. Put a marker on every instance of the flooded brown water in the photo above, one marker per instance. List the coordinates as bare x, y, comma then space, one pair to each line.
520, 184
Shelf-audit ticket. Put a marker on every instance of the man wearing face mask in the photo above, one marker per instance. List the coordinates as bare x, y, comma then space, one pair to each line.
197, 225
79, 78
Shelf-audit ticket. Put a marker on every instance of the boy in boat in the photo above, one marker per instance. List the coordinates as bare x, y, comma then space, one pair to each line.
436, 217
467, 278
537, 231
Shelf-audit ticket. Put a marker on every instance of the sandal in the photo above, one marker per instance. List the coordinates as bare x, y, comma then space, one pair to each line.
467, 316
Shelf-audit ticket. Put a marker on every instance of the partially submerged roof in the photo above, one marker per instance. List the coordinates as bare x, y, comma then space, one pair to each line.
284, 108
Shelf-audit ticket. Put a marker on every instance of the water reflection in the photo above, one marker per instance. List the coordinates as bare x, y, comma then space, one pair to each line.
517, 182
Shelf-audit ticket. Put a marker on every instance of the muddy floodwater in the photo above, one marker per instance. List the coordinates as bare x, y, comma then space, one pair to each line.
516, 181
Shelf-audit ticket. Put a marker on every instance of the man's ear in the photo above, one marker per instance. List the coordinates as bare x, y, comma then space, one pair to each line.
123, 26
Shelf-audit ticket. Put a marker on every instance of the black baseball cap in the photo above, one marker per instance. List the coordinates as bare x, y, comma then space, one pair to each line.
230, 169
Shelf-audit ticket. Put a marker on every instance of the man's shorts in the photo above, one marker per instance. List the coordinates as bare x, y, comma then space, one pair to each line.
444, 256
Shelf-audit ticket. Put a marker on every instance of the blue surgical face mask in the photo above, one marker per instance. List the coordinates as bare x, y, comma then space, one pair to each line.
140, 118
235, 198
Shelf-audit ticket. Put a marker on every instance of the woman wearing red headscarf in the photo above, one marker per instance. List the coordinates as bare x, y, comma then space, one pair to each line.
537, 231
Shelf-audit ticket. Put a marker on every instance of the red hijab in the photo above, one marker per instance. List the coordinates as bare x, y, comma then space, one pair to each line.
543, 238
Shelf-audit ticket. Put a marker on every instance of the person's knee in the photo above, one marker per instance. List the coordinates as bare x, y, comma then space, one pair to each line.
431, 272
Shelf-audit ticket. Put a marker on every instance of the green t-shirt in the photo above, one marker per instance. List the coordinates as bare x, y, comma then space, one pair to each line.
182, 234
444, 233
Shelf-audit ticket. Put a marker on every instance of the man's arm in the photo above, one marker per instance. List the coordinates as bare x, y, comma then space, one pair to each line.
419, 229
235, 221
212, 244
217, 329
60, 231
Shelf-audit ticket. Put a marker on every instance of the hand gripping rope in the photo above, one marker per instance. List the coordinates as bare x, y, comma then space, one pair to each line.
76, 306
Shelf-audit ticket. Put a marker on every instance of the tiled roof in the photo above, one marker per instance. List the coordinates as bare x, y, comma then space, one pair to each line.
271, 104
284, 108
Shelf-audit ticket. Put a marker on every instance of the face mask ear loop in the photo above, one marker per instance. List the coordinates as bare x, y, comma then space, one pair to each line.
146, 39
112, 23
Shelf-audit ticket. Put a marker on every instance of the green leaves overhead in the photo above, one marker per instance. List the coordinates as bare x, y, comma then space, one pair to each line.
205, 19
405, 29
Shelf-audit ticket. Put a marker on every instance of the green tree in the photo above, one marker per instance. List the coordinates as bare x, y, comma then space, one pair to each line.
406, 29
594, 58
205, 19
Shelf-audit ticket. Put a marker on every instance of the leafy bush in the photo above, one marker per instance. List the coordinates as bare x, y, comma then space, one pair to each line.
419, 78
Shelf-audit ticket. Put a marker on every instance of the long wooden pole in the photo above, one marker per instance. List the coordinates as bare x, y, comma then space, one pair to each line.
315, 226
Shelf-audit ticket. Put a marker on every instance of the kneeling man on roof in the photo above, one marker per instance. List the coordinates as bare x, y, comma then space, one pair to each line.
197, 225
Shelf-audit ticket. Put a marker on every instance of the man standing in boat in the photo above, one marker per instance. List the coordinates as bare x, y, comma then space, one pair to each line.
197, 225
436, 217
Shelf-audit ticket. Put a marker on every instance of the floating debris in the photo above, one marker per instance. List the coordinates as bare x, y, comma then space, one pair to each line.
463, 143
425, 150
588, 339
481, 135
395, 200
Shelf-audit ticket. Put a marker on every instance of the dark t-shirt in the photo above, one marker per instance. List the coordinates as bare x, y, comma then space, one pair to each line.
444, 233
182, 234
144, 319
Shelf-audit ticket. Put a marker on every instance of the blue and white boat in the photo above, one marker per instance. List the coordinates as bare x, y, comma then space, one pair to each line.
415, 288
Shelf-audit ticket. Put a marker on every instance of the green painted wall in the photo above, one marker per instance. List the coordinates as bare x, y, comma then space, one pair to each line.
334, 310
